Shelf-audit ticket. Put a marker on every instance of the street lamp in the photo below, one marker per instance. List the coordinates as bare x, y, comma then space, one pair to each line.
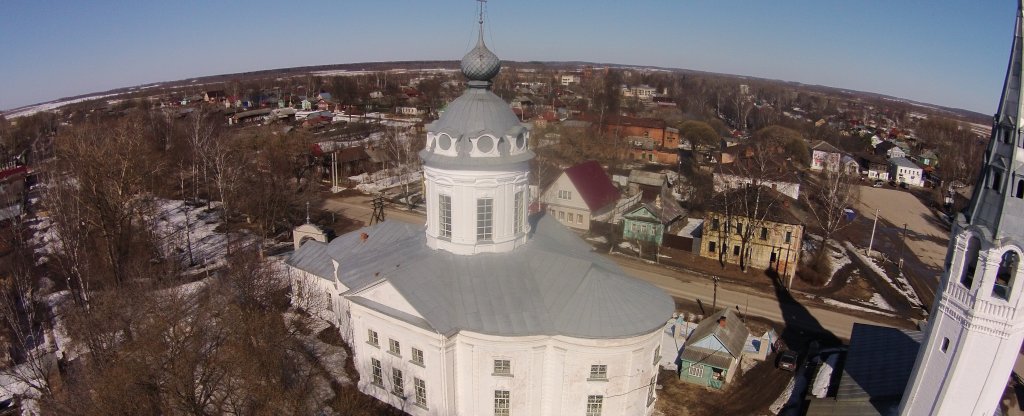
714, 299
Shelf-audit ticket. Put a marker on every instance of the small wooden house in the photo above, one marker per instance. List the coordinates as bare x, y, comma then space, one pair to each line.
712, 351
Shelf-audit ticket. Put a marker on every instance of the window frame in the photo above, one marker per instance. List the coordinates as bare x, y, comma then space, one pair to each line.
595, 404
397, 382
444, 209
502, 367
372, 338
598, 372
394, 347
485, 219
417, 357
376, 373
420, 389
502, 403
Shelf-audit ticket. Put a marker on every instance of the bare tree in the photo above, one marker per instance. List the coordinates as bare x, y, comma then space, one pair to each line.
827, 197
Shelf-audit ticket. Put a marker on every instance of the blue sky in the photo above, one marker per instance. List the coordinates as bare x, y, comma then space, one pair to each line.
949, 53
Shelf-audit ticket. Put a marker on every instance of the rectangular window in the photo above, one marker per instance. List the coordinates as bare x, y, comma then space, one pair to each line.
445, 213
398, 383
695, 370
417, 356
394, 347
735, 250
711, 247
764, 233
502, 367
421, 392
714, 224
599, 372
376, 372
371, 338
739, 229
594, 405
789, 237
502, 403
484, 219
650, 390
561, 215
564, 194
579, 218
657, 355
519, 211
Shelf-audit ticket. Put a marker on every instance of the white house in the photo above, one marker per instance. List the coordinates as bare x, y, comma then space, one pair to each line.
825, 156
485, 311
723, 181
581, 194
570, 79
902, 170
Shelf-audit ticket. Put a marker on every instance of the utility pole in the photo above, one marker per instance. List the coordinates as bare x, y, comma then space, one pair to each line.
872, 240
902, 243
714, 299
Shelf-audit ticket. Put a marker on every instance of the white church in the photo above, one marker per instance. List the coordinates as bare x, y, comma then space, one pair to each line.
485, 310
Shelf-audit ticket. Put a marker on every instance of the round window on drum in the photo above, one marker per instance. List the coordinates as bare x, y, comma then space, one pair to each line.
485, 144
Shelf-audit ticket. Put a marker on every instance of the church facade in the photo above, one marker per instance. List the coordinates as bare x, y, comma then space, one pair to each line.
485, 310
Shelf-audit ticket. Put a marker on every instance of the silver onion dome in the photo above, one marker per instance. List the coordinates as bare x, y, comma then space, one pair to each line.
480, 64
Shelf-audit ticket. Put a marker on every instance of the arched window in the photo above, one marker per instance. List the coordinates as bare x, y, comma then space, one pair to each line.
1020, 188
970, 262
997, 179
1004, 277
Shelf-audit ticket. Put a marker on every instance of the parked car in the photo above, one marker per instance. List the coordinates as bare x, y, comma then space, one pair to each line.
787, 360
878, 183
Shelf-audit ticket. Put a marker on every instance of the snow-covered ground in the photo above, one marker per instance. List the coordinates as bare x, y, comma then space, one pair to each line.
208, 246
52, 105
837, 256
897, 282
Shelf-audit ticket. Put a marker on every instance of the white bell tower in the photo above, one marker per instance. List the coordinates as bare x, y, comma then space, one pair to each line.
977, 322
476, 166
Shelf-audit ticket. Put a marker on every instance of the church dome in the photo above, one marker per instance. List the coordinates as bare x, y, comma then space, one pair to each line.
480, 64
479, 127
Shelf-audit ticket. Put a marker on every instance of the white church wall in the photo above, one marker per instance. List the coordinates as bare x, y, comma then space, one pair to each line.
433, 370
551, 375
465, 187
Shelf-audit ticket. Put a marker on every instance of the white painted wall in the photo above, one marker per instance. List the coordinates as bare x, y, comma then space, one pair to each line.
465, 187
985, 335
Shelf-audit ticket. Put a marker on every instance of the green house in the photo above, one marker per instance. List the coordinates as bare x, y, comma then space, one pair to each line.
649, 221
712, 351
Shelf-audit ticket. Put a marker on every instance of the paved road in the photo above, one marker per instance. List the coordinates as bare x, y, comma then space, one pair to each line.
678, 284
360, 208
763, 304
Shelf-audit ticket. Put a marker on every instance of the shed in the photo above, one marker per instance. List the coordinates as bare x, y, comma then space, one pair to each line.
713, 350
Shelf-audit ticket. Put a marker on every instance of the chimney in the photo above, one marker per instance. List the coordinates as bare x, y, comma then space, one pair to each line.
721, 322
363, 237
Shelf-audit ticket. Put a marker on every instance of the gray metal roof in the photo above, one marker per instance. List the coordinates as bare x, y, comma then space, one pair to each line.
875, 373
553, 285
732, 336
903, 163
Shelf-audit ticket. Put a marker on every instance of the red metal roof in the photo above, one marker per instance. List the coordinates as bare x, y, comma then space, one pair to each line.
593, 184
7, 173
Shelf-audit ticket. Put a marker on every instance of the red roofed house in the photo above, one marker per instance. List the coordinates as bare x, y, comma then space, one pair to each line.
581, 193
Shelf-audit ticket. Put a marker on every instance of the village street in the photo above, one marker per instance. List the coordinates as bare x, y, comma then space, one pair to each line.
685, 286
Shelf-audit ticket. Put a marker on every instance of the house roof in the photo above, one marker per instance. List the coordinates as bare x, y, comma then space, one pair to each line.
903, 163
593, 184
875, 374
624, 121
732, 336
647, 178
553, 285
824, 146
